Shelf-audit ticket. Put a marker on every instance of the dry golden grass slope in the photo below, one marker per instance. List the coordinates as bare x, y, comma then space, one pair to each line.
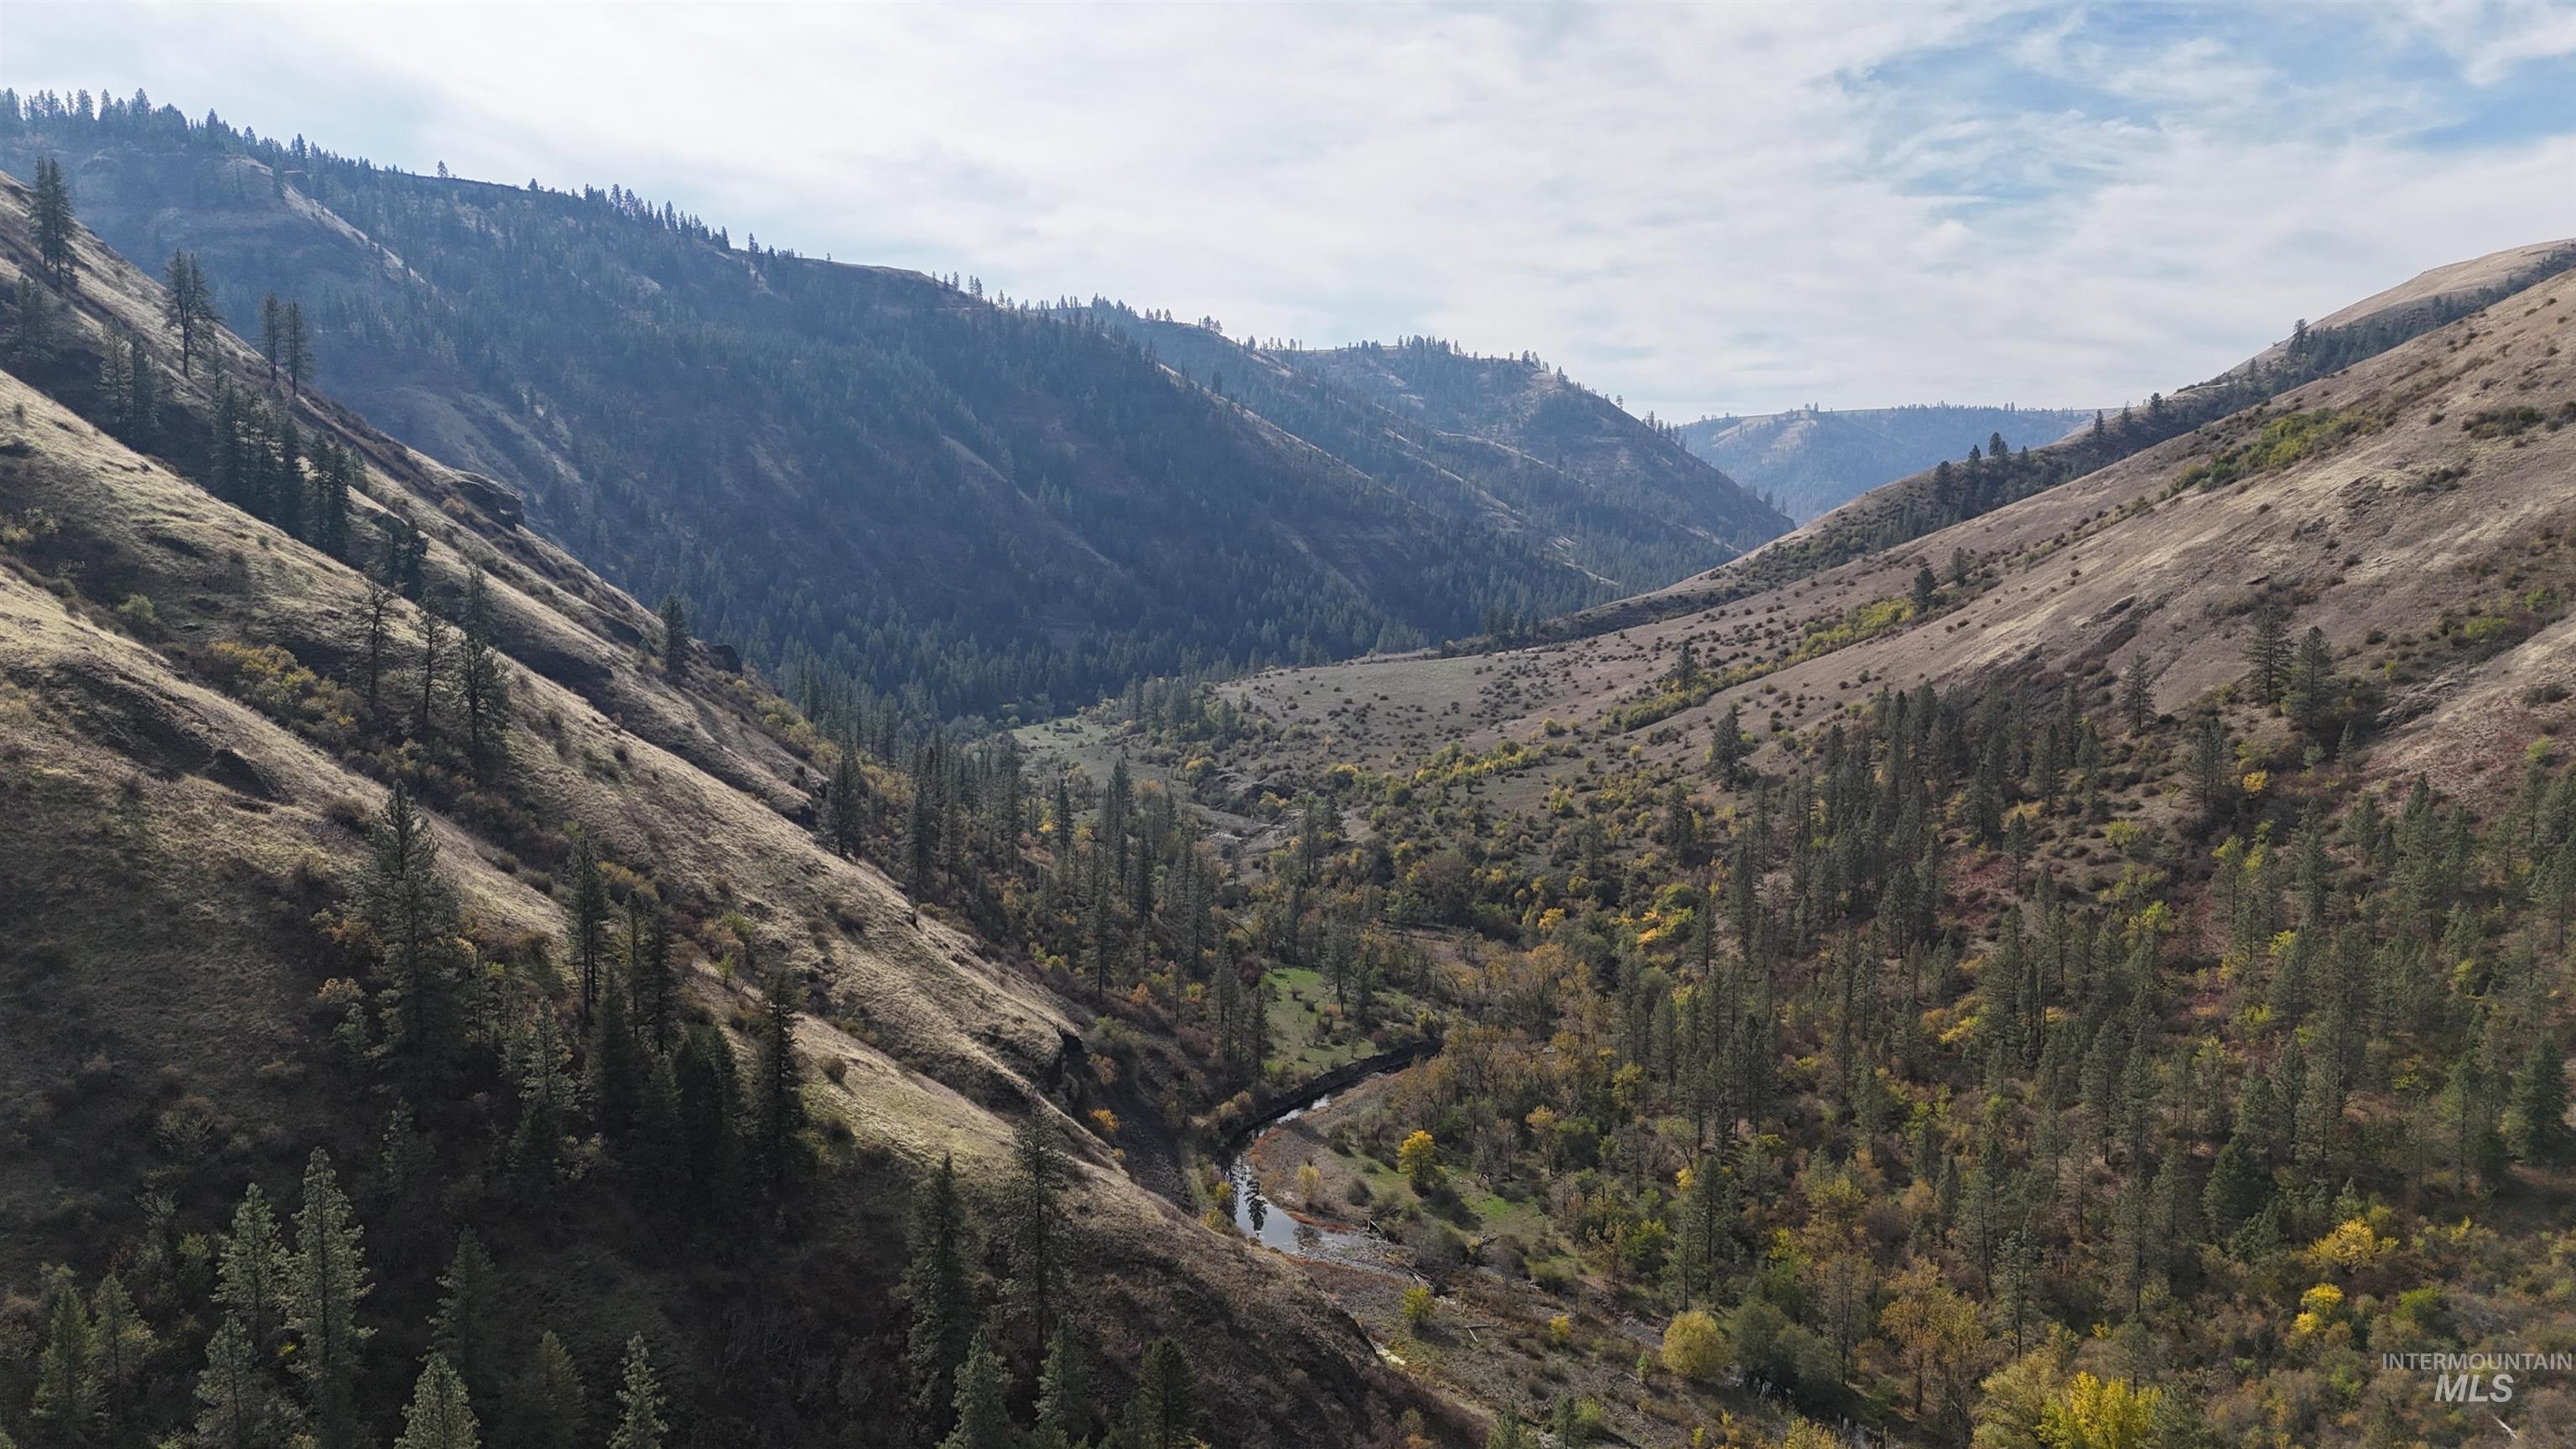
2448, 493
162, 843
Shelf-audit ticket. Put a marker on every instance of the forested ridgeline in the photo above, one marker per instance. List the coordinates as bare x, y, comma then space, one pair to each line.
970, 503
1608, 492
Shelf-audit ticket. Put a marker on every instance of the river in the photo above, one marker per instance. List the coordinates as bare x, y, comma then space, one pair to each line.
1309, 1235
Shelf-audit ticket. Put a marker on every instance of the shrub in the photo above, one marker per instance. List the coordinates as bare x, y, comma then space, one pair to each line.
1417, 1307
267, 678
1694, 1348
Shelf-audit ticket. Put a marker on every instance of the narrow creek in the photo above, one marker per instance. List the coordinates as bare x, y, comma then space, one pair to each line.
1272, 1225
1309, 1234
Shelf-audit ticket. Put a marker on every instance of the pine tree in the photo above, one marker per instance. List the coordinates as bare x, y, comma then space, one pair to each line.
935, 1282
405, 900
1063, 1395
67, 1402
433, 651
188, 305
334, 479
657, 1150
589, 943
468, 1327
272, 334
843, 818
710, 1101
639, 1401
2213, 784
295, 349
123, 1343
439, 1416
116, 388
618, 1068
326, 1281
481, 679
1038, 1171
2308, 691
542, 1061
376, 614
236, 1409
983, 1420
252, 1273
549, 1398
142, 395
2267, 652
648, 971
1164, 1412
778, 1105
54, 222
2538, 1111
2137, 696
675, 635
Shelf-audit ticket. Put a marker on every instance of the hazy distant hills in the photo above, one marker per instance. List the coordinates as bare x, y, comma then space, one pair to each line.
1811, 461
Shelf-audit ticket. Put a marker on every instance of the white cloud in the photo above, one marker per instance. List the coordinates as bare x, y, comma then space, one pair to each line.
1700, 208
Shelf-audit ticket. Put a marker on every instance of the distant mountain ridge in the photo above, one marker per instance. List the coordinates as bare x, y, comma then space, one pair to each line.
962, 505
1814, 460
1517, 445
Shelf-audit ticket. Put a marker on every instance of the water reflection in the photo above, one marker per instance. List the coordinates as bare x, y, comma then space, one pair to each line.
1257, 1218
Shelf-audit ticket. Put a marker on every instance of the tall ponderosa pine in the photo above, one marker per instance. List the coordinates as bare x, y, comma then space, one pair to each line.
251, 1274
468, 1328
1038, 1173
842, 822
778, 1100
589, 941
376, 615
123, 1342
2538, 1110
407, 903
433, 658
188, 305
549, 1398
54, 222
2267, 652
942, 1319
1064, 1396
439, 1416
295, 349
272, 333
983, 1418
2137, 696
236, 1407
68, 1399
327, 1280
1164, 1413
675, 635
639, 1401
481, 677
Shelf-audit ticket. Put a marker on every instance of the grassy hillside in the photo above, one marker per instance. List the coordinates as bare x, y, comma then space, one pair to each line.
1906, 510
970, 505
2102, 957
683, 1069
1576, 477
1815, 460
1521, 405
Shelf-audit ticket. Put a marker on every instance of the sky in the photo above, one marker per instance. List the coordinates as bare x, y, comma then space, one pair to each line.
1700, 209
